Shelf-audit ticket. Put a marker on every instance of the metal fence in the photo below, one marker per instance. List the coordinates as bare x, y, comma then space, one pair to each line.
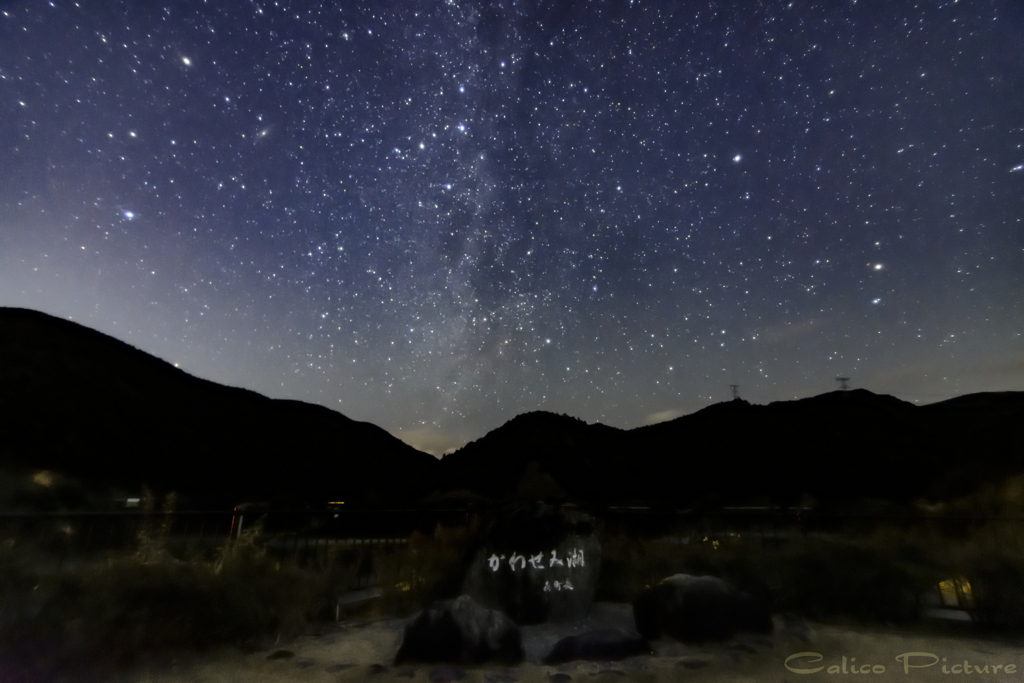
315, 539
88, 535
773, 527
201, 533
952, 598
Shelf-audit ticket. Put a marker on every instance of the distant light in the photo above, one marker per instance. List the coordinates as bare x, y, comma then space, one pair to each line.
338, 502
43, 478
132, 503
737, 158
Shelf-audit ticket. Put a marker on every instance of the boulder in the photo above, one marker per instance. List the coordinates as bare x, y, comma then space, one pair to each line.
698, 608
461, 631
601, 645
537, 563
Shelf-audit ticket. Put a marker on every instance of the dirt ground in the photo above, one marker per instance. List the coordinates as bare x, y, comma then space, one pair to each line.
365, 650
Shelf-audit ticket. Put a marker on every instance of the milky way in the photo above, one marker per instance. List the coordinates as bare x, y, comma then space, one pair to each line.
436, 215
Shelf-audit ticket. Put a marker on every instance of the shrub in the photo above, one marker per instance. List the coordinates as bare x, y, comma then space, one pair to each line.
834, 580
146, 605
824, 580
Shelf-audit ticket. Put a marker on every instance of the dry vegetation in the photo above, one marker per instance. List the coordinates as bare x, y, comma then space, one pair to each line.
78, 618
873, 574
75, 620
147, 605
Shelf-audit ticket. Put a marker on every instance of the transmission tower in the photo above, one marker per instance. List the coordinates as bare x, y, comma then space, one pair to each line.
735, 391
843, 383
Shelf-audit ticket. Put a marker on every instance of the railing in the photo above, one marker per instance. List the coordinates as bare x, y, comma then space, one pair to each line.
316, 538
87, 535
773, 526
954, 598
310, 537
191, 533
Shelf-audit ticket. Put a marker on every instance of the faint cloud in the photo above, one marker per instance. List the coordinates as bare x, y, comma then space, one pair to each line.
1005, 371
663, 416
938, 379
788, 332
429, 440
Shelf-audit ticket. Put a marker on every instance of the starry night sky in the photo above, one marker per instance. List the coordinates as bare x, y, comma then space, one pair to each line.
436, 215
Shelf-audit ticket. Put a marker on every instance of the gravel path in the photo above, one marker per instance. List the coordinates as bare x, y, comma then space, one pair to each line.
364, 651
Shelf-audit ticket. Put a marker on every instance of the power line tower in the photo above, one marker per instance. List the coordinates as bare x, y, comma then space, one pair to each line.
735, 391
843, 383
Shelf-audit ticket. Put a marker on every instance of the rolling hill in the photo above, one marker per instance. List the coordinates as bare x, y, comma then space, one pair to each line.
81, 403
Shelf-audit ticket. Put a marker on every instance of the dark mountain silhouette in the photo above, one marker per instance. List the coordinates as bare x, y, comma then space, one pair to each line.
86, 405
839, 445
530, 454
76, 401
839, 448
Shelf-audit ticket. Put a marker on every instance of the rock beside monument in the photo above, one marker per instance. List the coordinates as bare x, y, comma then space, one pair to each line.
600, 645
538, 564
698, 608
461, 631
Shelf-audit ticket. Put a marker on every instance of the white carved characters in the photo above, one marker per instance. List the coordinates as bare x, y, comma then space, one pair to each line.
575, 559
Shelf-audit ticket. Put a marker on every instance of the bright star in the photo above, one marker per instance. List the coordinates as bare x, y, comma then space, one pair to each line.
186, 61
737, 158
129, 215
